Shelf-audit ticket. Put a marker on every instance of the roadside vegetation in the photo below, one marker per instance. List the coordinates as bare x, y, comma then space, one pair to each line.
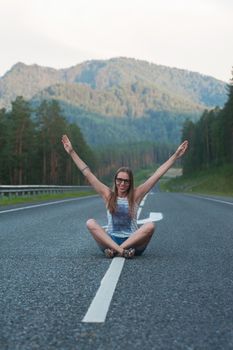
31, 152
42, 197
208, 164
214, 181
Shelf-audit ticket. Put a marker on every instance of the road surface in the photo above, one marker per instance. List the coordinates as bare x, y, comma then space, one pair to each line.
178, 295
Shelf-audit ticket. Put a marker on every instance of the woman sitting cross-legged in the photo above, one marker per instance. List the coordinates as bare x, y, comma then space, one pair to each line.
122, 237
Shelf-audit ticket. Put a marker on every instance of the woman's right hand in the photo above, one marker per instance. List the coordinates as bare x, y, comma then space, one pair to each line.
67, 144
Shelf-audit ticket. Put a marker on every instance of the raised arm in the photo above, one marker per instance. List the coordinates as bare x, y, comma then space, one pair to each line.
144, 188
102, 189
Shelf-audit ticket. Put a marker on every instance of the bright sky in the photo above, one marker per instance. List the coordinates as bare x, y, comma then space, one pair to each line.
190, 34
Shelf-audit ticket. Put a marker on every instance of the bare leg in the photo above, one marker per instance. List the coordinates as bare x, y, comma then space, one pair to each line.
140, 238
102, 237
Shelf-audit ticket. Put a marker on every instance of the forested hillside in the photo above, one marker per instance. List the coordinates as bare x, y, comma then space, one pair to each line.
31, 151
211, 138
119, 100
117, 112
116, 87
159, 127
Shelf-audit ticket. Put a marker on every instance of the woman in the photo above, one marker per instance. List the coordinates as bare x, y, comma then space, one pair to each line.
123, 237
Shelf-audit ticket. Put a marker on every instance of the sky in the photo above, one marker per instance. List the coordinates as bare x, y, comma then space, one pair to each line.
196, 35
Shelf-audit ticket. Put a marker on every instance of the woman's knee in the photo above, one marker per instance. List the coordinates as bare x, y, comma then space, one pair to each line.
90, 223
150, 228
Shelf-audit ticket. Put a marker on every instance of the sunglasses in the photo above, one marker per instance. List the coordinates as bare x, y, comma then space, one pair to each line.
120, 180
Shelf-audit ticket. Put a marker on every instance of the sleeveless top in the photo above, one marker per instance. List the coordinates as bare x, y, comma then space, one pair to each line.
121, 223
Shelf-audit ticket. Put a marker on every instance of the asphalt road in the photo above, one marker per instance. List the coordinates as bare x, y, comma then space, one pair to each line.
178, 295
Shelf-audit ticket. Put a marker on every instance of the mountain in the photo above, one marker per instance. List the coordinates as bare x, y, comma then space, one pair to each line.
99, 92
117, 81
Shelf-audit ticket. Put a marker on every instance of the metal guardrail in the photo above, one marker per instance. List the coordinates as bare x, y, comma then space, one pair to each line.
22, 190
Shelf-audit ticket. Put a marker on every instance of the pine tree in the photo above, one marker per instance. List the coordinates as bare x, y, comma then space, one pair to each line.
51, 125
228, 123
20, 141
3, 147
190, 160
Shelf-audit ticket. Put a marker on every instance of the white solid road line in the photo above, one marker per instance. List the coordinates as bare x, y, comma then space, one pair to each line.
217, 200
99, 306
44, 204
98, 309
211, 199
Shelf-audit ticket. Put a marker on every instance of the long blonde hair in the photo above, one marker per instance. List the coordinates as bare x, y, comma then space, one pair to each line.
112, 202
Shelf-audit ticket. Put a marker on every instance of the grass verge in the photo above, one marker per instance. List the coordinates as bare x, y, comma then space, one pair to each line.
214, 181
42, 197
141, 175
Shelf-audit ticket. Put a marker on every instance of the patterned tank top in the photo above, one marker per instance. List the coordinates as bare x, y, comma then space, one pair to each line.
121, 223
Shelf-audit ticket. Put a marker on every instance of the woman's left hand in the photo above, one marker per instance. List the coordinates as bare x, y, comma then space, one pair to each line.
181, 149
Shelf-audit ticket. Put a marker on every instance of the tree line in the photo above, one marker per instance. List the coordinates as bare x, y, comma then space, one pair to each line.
137, 156
31, 151
30, 145
211, 138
